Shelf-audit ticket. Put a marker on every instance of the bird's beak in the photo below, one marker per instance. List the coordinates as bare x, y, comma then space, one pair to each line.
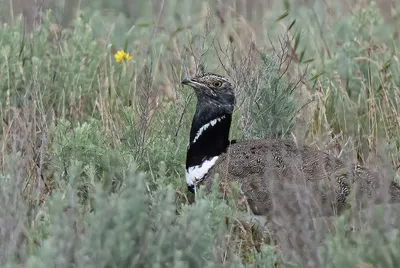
186, 81
192, 83
198, 87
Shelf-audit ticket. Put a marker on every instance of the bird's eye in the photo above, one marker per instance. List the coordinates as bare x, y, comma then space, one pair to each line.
217, 84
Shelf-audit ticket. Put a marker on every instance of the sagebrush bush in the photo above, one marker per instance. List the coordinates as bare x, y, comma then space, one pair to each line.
90, 147
273, 108
14, 210
133, 228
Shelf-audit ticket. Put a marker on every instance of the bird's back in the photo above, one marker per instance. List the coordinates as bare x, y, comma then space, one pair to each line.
272, 171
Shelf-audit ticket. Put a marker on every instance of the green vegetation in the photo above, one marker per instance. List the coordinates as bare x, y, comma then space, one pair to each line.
93, 152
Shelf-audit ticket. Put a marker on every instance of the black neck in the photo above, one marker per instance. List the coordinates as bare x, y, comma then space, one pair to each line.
213, 140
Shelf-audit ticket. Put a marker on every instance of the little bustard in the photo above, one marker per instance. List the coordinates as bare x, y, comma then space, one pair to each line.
262, 167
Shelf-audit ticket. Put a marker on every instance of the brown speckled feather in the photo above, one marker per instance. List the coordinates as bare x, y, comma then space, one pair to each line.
265, 167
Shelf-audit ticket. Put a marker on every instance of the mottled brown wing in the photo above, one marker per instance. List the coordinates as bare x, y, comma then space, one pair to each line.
273, 172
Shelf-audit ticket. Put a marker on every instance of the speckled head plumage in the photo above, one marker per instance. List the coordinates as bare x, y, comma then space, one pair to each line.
212, 89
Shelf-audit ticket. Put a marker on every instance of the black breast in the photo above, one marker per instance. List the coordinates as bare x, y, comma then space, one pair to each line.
208, 142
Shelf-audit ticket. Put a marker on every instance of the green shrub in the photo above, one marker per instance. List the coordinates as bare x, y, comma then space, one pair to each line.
274, 107
132, 228
92, 151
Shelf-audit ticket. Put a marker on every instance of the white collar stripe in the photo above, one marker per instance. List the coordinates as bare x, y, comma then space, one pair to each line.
203, 128
196, 174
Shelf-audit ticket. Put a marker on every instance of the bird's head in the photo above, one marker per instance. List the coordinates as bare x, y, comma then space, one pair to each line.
212, 90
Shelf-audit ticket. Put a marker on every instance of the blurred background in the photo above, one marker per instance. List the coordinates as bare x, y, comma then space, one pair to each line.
95, 125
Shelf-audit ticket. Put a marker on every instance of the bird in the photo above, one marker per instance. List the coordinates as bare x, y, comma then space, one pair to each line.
269, 168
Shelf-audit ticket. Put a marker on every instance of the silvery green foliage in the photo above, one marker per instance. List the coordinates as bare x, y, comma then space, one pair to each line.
133, 228
13, 210
376, 245
91, 146
273, 107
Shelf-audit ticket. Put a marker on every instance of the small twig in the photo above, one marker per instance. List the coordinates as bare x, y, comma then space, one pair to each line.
188, 100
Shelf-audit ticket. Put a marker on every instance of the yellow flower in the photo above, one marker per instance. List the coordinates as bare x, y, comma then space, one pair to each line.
121, 55
127, 56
